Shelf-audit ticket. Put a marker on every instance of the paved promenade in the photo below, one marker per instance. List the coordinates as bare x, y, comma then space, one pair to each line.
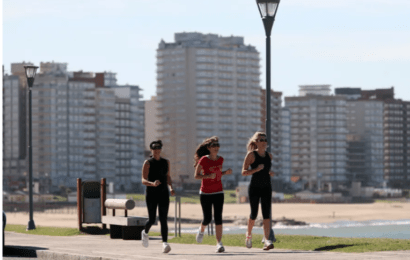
98, 247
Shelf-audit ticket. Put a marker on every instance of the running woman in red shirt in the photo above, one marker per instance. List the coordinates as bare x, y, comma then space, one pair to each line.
209, 169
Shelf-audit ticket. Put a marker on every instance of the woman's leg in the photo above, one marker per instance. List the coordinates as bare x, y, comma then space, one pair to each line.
163, 207
254, 197
206, 204
218, 201
152, 204
266, 205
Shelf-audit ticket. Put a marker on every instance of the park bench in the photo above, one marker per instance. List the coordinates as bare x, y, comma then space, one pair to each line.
124, 227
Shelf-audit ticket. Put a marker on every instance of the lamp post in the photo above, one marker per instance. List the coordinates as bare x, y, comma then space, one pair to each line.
267, 10
30, 74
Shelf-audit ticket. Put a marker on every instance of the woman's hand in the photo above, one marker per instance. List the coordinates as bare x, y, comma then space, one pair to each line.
211, 176
229, 171
172, 192
156, 183
260, 167
271, 173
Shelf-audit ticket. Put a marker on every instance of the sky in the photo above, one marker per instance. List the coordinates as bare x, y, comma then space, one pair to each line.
349, 43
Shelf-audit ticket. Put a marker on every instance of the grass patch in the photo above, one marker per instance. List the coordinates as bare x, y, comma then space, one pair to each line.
230, 197
288, 196
59, 198
46, 231
311, 243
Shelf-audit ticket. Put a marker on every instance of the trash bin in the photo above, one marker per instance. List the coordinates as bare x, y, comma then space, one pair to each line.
91, 202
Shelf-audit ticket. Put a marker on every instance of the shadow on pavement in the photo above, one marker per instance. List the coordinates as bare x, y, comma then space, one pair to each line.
19, 251
329, 248
95, 231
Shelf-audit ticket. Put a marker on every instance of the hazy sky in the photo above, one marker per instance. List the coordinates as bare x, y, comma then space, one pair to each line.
345, 43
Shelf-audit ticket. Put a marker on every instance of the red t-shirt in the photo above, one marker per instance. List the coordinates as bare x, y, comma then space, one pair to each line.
210, 166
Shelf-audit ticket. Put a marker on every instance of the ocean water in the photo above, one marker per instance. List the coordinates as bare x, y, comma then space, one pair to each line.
398, 229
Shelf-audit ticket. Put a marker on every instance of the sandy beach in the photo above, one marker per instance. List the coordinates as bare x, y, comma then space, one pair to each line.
310, 213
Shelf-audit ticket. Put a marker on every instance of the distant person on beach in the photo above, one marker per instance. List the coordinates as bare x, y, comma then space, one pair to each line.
260, 188
208, 168
155, 175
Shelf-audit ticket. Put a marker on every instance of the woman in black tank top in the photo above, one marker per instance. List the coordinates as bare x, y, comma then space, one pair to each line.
260, 188
155, 175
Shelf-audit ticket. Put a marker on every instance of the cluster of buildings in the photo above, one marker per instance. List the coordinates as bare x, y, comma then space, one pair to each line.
87, 126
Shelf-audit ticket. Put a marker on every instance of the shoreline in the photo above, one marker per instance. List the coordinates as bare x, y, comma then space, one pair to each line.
309, 213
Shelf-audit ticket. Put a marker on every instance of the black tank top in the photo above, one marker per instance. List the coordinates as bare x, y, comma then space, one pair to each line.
158, 170
262, 177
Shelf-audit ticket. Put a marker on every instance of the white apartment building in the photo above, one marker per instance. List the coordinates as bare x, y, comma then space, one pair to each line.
207, 85
318, 129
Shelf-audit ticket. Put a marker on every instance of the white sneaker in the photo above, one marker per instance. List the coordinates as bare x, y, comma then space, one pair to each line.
199, 236
166, 248
144, 238
268, 245
248, 241
220, 248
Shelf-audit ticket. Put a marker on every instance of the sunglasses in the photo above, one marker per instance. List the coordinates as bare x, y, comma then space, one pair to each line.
156, 148
214, 145
263, 140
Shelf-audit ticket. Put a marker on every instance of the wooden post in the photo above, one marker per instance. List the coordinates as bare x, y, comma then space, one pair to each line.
103, 198
79, 206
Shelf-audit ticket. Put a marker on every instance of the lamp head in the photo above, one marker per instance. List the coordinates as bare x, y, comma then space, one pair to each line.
267, 8
30, 71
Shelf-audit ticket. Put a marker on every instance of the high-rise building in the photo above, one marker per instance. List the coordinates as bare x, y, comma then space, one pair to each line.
286, 138
318, 127
275, 107
85, 129
151, 121
207, 85
365, 126
14, 132
381, 121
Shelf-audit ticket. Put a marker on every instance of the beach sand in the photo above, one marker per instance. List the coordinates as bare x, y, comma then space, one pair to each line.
310, 213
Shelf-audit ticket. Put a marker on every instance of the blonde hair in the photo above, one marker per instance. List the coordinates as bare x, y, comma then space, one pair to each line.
202, 149
251, 146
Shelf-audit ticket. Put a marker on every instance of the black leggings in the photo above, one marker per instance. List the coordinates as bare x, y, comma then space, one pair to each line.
264, 194
161, 201
206, 202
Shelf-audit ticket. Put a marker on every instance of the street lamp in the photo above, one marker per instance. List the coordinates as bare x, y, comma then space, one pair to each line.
30, 74
267, 10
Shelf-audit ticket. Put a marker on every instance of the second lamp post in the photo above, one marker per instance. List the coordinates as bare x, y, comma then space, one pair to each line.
30, 74
267, 9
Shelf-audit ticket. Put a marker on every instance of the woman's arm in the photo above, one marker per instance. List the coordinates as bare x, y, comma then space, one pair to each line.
144, 178
200, 176
169, 180
249, 159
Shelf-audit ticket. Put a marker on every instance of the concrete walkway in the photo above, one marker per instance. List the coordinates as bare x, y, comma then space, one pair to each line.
100, 247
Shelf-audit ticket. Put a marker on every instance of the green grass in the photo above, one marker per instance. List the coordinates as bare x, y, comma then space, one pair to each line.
310, 243
289, 196
47, 231
59, 198
194, 198
293, 242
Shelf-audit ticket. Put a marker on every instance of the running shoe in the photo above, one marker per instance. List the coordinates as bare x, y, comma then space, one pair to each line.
166, 248
144, 238
268, 245
199, 236
220, 248
248, 241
